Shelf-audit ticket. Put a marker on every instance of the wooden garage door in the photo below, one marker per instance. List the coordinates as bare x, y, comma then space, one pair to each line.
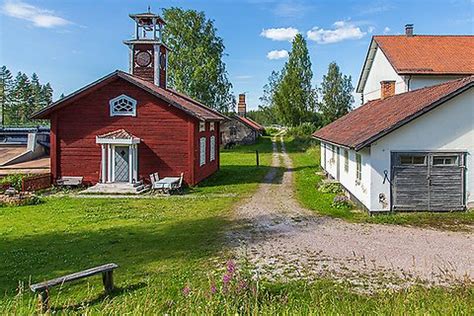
428, 181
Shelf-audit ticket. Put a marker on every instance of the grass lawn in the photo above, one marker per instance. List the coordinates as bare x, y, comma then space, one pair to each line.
306, 160
171, 257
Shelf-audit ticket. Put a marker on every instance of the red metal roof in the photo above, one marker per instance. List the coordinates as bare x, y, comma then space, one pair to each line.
250, 123
174, 98
377, 118
429, 54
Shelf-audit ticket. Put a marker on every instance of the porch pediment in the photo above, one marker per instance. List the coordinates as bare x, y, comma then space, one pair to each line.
119, 137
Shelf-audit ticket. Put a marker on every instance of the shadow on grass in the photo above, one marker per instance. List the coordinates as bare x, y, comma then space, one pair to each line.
148, 247
99, 299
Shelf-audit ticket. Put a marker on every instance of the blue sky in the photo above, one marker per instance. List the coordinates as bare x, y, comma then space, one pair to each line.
71, 43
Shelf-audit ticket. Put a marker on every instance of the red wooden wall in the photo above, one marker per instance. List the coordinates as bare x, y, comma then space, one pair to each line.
169, 137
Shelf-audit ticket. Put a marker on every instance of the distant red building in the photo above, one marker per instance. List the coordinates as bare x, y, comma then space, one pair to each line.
125, 126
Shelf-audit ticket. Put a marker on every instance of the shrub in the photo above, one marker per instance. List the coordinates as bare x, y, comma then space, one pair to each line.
13, 180
302, 130
330, 187
270, 131
341, 202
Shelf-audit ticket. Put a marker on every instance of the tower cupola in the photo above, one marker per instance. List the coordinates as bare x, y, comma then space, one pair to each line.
148, 54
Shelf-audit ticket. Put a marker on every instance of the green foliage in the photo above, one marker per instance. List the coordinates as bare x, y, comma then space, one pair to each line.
294, 98
330, 187
195, 65
336, 90
21, 97
341, 201
302, 130
13, 179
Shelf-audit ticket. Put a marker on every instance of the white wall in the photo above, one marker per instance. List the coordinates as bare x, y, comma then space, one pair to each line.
421, 81
448, 127
360, 189
381, 70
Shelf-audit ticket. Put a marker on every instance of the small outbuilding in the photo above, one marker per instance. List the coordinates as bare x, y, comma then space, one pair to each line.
125, 126
240, 129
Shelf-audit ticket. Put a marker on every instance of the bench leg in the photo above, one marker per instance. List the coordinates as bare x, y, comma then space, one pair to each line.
108, 280
43, 301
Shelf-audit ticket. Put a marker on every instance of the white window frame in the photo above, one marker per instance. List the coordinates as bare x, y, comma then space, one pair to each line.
202, 126
212, 148
212, 126
202, 151
113, 112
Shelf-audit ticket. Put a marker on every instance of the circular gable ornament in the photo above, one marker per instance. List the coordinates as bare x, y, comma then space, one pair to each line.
143, 59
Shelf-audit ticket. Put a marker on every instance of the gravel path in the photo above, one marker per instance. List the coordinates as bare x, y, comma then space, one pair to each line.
283, 241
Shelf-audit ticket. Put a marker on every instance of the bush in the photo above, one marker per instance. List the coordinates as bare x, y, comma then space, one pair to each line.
341, 202
13, 180
270, 131
330, 187
302, 130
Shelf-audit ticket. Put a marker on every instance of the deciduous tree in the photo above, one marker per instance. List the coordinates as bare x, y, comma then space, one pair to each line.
196, 65
294, 97
336, 90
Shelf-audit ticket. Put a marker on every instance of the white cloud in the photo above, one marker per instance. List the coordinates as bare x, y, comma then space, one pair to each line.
342, 31
243, 77
370, 29
280, 34
39, 17
277, 54
386, 30
291, 10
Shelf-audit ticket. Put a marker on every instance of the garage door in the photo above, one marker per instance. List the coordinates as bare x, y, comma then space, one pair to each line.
428, 181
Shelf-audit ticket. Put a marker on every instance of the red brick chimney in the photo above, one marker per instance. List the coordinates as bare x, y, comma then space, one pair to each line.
387, 88
241, 106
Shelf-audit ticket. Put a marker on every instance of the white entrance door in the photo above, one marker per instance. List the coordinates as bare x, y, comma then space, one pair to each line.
122, 164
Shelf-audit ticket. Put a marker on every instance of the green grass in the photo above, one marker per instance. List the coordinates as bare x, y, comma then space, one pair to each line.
166, 245
306, 159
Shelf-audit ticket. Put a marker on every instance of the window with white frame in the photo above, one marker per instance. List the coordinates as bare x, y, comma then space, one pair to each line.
358, 167
333, 149
346, 160
202, 151
123, 105
202, 126
212, 126
212, 148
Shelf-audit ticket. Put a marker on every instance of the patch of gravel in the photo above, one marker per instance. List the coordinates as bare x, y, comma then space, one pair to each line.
284, 241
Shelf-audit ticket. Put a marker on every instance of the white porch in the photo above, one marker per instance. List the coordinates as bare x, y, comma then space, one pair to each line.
119, 159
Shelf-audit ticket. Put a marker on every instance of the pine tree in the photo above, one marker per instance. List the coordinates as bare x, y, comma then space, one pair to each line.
337, 98
294, 96
5, 90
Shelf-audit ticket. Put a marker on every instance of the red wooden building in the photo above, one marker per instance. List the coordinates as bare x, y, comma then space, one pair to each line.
125, 126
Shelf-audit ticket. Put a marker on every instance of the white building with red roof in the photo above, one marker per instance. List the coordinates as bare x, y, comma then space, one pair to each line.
407, 62
410, 146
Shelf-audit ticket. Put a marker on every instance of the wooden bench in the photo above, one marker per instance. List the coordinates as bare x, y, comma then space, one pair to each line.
69, 181
43, 287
